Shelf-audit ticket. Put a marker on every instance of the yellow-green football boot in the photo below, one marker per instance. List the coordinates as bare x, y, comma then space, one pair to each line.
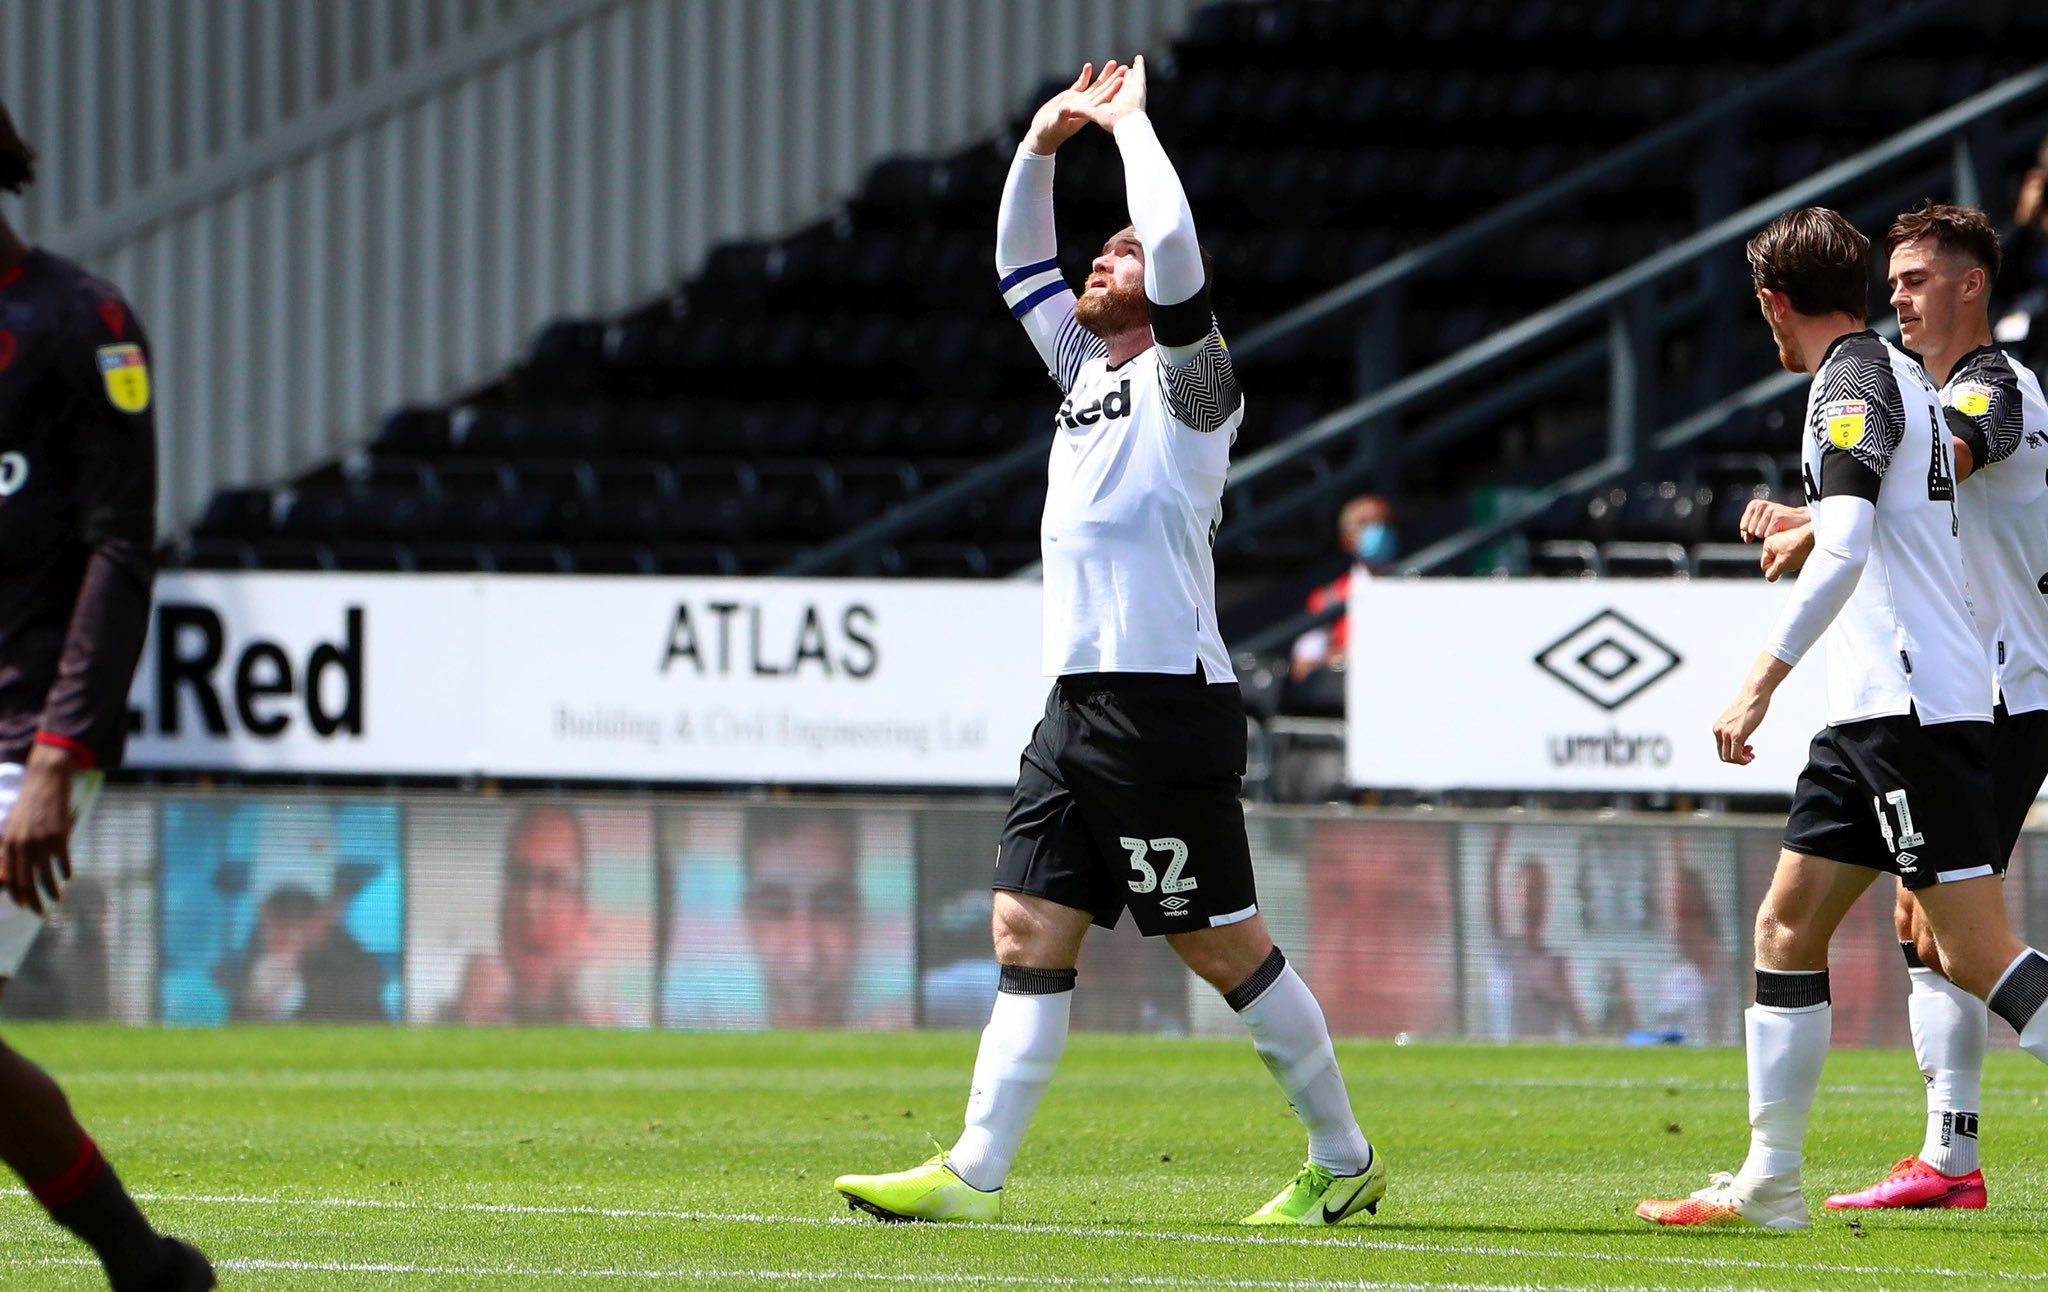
1316, 1197
929, 1192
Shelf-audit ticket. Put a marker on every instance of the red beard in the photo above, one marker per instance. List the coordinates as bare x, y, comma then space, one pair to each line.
1113, 312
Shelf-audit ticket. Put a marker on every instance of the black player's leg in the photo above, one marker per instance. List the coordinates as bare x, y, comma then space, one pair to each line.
42, 1142
39, 1137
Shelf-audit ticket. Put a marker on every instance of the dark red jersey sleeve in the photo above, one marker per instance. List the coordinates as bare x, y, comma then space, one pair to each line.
105, 365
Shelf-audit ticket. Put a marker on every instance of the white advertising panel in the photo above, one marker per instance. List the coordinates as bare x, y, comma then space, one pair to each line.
806, 682
1554, 685
309, 673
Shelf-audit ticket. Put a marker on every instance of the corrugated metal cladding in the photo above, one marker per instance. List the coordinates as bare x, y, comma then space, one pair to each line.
325, 209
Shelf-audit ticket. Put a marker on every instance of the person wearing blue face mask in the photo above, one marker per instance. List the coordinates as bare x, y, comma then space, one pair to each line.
1365, 533
1375, 546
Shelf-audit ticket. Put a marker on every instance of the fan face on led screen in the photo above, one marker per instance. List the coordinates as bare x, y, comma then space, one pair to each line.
537, 913
788, 916
280, 911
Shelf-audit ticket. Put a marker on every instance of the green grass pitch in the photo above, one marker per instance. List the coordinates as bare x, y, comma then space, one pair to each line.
337, 1159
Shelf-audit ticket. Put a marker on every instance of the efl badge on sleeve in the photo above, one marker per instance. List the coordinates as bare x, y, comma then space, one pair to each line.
1845, 423
1973, 399
126, 374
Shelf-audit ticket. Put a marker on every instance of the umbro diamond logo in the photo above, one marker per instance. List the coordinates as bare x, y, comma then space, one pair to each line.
1907, 861
1174, 905
1608, 660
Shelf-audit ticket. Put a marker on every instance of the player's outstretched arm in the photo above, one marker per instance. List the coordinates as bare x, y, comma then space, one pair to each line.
1027, 246
1175, 282
1197, 376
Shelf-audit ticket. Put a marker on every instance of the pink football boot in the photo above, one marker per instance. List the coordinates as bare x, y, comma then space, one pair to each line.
1913, 1183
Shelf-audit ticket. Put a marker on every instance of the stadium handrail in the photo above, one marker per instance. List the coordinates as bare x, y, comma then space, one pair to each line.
1352, 297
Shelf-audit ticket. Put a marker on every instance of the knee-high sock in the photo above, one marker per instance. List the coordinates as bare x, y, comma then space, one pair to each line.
2021, 999
1293, 1039
1949, 1028
1788, 1031
1020, 1049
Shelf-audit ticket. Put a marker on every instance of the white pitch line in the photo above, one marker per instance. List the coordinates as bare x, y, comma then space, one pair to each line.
1341, 1239
702, 1275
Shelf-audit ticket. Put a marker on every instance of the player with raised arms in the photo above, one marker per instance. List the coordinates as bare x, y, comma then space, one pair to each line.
1127, 796
1899, 781
77, 552
1944, 261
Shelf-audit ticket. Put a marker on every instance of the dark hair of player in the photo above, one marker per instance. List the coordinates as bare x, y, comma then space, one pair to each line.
17, 159
1953, 228
1817, 259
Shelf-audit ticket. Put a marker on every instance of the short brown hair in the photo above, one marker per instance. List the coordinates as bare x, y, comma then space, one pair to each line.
1953, 228
1817, 259
17, 159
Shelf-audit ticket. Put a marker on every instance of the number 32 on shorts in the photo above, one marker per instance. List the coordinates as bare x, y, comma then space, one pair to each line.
1149, 879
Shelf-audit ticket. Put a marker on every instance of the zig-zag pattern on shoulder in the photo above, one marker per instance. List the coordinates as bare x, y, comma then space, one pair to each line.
1205, 393
2004, 423
1076, 345
1862, 370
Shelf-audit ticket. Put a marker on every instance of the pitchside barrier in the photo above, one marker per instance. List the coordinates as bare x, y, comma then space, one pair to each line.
1453, 684
203, 908
1551, 684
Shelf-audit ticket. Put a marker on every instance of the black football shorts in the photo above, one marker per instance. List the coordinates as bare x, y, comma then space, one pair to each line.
1127, 796
1910, 800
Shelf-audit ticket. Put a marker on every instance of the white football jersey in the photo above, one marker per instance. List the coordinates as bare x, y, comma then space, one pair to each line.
1907, 641
1134, 495
1995, 404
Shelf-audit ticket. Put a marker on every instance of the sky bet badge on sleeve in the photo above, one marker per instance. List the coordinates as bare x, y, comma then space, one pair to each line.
126, 374
1973, 399
1845, 423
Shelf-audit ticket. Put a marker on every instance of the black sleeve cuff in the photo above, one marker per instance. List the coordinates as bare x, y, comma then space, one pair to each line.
1964, 427
1183, 324
1844, 475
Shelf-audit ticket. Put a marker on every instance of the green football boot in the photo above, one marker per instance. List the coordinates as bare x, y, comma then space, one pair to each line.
1316, 1197
929, 1192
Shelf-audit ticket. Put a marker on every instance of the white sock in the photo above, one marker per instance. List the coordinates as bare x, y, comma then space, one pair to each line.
1788, 1032
1292, 1038
1949, 1029
2021, 999
1020, 1050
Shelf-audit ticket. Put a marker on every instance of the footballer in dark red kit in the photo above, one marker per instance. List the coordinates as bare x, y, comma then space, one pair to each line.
77, 539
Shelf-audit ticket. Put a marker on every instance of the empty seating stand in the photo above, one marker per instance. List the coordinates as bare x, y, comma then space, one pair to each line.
798, 387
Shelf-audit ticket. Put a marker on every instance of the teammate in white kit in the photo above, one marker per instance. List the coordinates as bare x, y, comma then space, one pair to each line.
1127, 796
1943, 263
1900, 779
